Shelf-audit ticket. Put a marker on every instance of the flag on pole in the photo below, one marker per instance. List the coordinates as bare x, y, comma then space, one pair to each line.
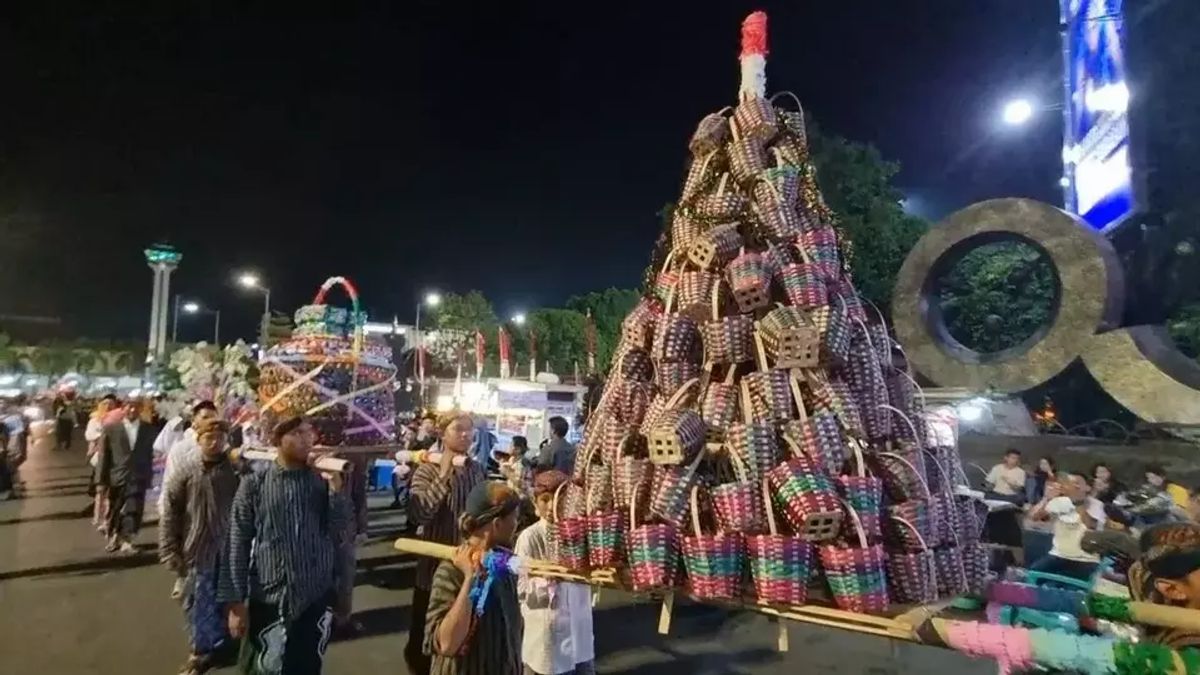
480, 347
532, 356
505, 354
590, 337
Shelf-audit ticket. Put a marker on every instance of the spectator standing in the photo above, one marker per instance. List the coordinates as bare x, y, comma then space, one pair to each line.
437, 501
557, 454
1045, 474
1105, 486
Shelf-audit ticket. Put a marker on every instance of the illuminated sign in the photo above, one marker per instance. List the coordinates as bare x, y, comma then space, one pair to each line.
1096, 142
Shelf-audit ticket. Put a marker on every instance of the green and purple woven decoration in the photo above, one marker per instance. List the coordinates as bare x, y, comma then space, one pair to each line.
653, 556
781, 566
821, 248
856, 577
807, 498
605, 543
865, 496
715, 563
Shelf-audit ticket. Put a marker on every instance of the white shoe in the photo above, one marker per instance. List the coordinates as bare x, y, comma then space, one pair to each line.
177, 589
127, 547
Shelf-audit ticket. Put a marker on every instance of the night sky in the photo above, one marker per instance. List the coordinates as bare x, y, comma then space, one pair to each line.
521, 148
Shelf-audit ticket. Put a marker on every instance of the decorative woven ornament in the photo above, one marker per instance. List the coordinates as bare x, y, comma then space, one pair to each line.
864, 494
747, 157
770, 395
821, 248
714, 562
666, 282
777, 257
903, 396
755, 118
684, 230
789, 338
803, 286
902, 469
919, 528
605, 539
975, 559
834, 328
818, 437
675, 338
791, 148
843, 289
571, 503
778, 186
710, 135
697, 289
946, 519
881, 340
653, 553
857, 576
834, 395
869, 387
671, 375
729, 339
631, 400
670, 487
716, 247
638, 326
738, 505
567, 535
951, 573
912, 575
615, 436
631, 478
755, 446
972, 515
792, 120
677, 437
598, 488
634, 364
750, 281
719, 407
721, 205
781, 565
807, 498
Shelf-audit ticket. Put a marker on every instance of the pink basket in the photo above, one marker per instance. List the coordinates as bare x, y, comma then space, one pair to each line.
639, 324
856, 576
807, 498
714, 562
803, 286
738, 506
750, 281
755, 118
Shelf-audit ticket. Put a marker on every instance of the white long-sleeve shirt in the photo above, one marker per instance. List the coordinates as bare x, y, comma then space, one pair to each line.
558, 615
183, 449
93, 432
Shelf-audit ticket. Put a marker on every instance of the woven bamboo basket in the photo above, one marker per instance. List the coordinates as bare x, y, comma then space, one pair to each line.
780, 565
856, 575
912, 575
749, 281
738, 505
714, 562
715, 247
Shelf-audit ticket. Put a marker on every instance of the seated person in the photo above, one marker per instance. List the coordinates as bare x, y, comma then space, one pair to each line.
1073, 512
1168, 573
1006, 480
1158, 500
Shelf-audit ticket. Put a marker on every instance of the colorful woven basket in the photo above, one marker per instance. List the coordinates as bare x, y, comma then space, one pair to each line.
631, 480
755, 118
633, 363
919, 528
710, 135
789, 338
714, 562
781, 565
719, 407
684, 230
912, 575
670, 486
747, 159
902, 469
715, 247
857, 576
567, 535
815, 435
769, 394
676, 434
864, 494
802, 285
672, 375
976, 558
721, 205
675, 338
750, 281
834, 329
821, 249
834, 395
652, 552
738, 506
755, 445
605, 539
844, 290
807, 498
951, 574
638, 327
778, 186
631, 399
777, 219
700, 174
698, 290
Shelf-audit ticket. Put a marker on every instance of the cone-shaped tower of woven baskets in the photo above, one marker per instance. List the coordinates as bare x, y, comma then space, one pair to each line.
756, 433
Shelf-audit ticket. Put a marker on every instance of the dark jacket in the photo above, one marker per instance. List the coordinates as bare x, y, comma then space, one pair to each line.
557, 454
124, 465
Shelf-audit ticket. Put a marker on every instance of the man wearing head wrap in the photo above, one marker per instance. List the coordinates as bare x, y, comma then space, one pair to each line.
1168, 573
278, 578
124, 474
460, 640
437, 499
558, 615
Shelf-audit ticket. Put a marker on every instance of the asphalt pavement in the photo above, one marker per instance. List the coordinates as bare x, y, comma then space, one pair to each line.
67, 607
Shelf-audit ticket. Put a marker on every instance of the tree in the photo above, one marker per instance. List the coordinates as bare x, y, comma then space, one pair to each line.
1184, 327
561, 339
998, 295
856, 183
457, 318
609, 308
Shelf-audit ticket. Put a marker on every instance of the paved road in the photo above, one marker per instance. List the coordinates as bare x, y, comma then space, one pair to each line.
68, 608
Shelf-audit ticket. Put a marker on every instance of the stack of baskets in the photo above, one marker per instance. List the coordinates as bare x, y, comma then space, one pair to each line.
752, 350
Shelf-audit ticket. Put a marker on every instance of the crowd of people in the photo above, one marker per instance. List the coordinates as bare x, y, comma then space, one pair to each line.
262, 554
1154, 528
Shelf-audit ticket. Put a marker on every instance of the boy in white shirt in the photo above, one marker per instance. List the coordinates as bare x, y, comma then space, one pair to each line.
558, 615
1074, 512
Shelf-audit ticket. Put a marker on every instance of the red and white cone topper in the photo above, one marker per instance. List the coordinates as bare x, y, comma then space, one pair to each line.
754, 56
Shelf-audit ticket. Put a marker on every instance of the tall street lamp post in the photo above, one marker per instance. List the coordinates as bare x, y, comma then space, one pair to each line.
249, 280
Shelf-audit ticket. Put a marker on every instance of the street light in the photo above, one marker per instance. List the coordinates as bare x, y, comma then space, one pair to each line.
519, 319
250, 280
432, 299
1017, 112
195, 308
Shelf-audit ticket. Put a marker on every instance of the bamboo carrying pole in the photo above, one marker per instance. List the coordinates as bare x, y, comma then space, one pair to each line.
331, 464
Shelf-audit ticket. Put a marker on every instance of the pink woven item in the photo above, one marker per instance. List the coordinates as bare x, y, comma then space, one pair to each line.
781, 565
807, 498
639, 324
716, 247
719, 407
789, 338
677, 437
633, 363
671, 375
821, 249
833, 395
738, 506
834, 329
567, 536
747, 159
653, 554
697, 289
770, 395
605, 539
803, 286
856, 575
750, 281
676, 338
902, 469
721, 205
714, 562
951, 574
912, 575
684, 230
670, 488
755, 118
864, 493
